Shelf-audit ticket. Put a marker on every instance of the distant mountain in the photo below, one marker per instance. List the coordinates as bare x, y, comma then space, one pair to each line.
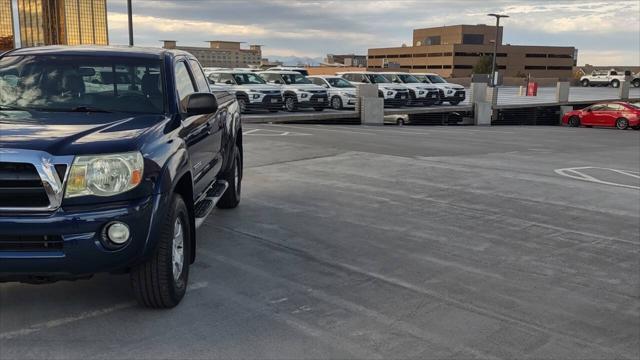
295, 60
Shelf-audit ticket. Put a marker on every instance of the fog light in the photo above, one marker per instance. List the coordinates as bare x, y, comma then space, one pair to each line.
256, 96
389, 93
118, 233
303, 96
420, 92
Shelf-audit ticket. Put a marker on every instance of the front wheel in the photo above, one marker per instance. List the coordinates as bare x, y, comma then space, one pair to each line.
585, 82
161, 281
242, 104
636, 83
233, 177
622, 123
336, 103
290, 103
615, 84
574, 121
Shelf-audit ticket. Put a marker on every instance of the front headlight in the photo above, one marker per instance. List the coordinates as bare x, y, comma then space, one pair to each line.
104, 175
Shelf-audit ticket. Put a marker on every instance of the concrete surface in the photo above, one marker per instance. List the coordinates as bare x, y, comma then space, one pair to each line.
385, 242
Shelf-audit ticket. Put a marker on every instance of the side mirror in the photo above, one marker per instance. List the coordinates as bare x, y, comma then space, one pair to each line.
200, 103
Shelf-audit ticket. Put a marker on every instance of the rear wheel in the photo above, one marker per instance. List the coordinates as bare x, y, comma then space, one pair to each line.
161, 281
336, 103
585, 82
636, 83
400, 122
615, 83
622, 123
290, 103
233, 176
574, 121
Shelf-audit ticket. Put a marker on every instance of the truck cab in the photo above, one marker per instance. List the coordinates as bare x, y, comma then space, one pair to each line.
393, 94
252, 92
110, 159
297, 90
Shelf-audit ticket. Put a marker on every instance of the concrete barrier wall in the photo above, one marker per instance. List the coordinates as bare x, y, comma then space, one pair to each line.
509, 81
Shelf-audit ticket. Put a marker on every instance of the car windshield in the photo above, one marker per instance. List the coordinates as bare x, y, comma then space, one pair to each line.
250, 79
339, 83
422, 78
377, 79
436, 79
408, 79
69, 83
290, 79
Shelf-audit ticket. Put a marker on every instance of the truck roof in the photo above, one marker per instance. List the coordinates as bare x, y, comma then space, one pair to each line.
93, 50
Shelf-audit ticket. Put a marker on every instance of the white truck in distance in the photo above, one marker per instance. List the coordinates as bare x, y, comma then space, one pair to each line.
420, 93
393, 94
342, 94
252, 92
297, 90
454, 94
602, 78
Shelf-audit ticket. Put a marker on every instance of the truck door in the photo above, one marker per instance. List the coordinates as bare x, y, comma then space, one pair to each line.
196, 131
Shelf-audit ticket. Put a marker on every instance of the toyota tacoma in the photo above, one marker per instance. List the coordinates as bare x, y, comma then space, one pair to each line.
110, 159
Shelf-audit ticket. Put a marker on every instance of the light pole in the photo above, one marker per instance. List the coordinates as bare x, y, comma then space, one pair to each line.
130, 15
495, 47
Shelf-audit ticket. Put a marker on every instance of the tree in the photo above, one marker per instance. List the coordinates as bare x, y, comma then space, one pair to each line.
483, 66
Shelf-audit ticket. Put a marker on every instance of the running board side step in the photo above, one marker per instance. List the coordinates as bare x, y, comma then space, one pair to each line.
205, 206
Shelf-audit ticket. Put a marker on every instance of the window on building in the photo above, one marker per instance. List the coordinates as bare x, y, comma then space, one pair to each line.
560, 56
536, 55
463, 66
534, 67
559, 68
432, 40
434, 54
473, 39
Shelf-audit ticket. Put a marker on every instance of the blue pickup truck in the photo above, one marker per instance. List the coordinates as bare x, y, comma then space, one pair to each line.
110, 159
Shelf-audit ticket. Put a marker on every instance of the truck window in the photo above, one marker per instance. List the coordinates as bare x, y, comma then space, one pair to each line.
184, 84
198, 74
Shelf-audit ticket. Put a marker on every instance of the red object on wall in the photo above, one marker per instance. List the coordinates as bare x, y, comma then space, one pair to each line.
532, 89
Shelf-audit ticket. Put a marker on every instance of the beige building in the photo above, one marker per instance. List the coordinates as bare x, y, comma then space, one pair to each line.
62, 22
222, 53
7, 37
453, 51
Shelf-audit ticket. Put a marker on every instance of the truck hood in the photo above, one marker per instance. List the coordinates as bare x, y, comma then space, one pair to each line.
306, 87
63, 133
421, 86
257, 87
446, 86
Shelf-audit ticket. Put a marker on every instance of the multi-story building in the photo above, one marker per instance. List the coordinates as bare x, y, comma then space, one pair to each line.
222, 53
453, 51
7, 37
347, 60
63, 22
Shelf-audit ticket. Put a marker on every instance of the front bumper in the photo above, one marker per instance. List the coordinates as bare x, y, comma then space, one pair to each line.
314, 101
267, 102
82, 252
458, 96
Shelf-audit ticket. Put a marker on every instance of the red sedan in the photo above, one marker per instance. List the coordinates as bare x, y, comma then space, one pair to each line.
619, 114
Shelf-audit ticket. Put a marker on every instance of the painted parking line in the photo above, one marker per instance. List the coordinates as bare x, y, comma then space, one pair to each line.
83, 316
576, 173
266, 132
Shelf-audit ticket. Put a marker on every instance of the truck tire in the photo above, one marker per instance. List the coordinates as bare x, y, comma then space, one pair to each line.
161, 281
585, 83
290, 103
336, 103
615, 83
233, 176
242, 104
636, 83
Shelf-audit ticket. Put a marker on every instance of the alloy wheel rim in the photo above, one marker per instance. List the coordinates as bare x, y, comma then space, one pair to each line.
621, 124
289, 103
236, 179
336, 103
177, 253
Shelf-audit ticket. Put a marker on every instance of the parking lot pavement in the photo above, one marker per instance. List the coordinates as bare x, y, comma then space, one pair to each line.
385, 242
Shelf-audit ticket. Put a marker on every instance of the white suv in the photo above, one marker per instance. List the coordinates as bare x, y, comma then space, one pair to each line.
252, 92
300, 70
297, 90
452, 93
393, 94
419, 92
342, 94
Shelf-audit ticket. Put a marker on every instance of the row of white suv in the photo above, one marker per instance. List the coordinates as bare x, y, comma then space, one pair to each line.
290, 88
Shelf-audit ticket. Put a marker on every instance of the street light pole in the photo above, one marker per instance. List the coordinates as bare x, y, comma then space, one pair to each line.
495, 47
130, 15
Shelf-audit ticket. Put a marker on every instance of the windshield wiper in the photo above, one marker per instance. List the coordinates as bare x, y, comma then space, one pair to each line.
89, 109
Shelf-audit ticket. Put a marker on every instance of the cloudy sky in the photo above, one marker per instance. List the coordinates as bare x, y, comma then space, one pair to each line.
605, 32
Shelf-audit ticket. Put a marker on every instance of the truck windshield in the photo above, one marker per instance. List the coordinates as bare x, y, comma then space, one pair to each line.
70, 83
408, 79
436, 79
295, 79
339, 83
248, 79
377, 79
